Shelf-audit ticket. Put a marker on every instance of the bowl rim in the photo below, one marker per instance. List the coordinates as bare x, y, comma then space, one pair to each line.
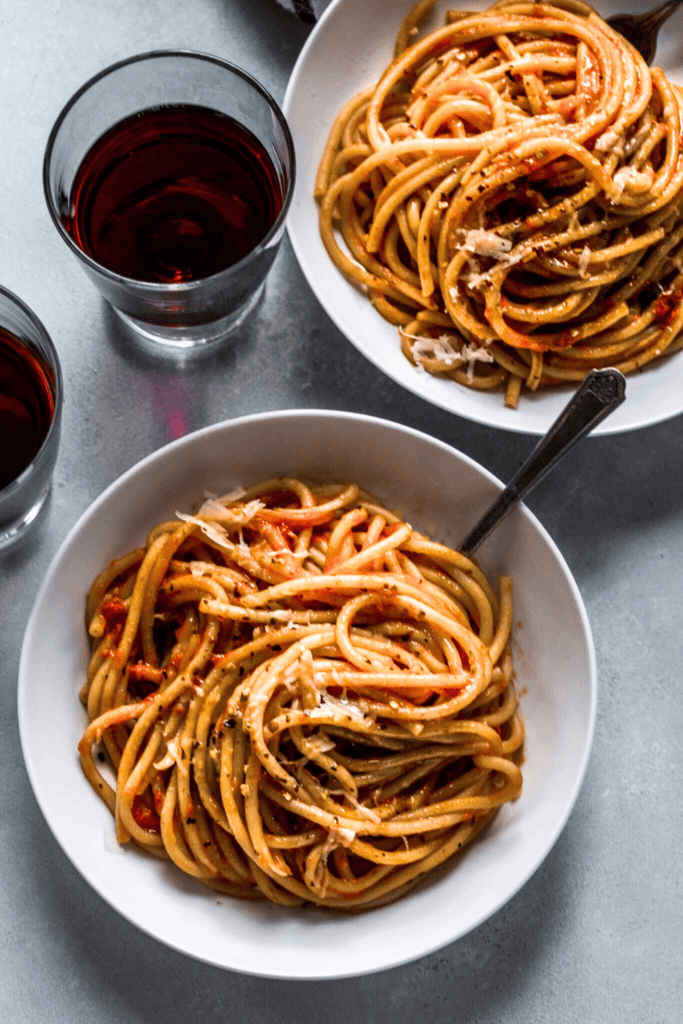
307, 415
648, 404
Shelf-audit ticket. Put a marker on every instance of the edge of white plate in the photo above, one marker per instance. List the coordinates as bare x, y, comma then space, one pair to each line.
373, 964
621, 420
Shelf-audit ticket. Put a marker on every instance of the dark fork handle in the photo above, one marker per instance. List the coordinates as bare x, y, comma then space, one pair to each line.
599, 394
641, 30
658, 15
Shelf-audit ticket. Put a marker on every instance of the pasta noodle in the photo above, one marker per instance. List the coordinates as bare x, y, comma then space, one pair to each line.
301, 697
509, 195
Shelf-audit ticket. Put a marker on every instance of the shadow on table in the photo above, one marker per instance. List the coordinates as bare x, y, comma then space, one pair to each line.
111, 964
142, 354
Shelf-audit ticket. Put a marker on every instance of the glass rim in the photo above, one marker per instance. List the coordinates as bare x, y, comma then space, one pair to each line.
196, 283
47, 341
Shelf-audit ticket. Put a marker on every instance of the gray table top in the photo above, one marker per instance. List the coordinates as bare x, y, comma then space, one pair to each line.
594, 935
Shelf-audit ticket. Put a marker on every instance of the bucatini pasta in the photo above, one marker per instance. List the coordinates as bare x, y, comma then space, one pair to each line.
509, 195
301, 697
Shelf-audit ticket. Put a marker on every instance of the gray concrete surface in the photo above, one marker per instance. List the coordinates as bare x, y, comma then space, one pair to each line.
594, 937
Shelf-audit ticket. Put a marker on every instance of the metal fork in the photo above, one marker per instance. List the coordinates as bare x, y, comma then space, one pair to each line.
641, 29
599, 394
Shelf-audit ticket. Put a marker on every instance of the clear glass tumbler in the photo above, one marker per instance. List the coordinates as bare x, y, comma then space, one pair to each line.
194, 309
31, 396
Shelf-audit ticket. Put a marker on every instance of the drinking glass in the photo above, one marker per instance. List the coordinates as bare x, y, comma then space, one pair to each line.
203, 309
31, 395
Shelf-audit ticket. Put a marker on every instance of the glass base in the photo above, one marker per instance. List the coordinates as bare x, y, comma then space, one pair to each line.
184, 338
13, 532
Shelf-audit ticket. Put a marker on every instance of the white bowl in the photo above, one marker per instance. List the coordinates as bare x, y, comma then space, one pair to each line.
440, 492
347, 50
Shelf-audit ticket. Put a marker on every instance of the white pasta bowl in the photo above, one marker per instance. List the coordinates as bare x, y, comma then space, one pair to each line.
347, 51
440, 492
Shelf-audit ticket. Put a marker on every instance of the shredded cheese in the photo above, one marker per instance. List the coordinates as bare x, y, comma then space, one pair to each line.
440, 348
200, 568
344, 836
435, 348
486, 243
472, 354
321, 743
172, 756
365, 812
610, 142
215, 533
234, 495
478, 281
629, 176
339, 706
215, 509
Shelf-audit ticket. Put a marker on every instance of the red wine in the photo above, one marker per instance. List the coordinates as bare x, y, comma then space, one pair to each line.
173, 194
26, 406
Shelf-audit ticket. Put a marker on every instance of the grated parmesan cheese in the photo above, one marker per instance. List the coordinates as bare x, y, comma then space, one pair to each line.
337, 705
626, 176
477, 281
231, 496
344, 836
365, 812
215, 533
200, 568
172, 756
472, 354
486, 243
435, 348
321, 743
441, 348
215, 509
610, 142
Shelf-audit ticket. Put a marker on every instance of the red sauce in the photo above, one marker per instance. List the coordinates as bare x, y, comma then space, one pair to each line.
114, 613
141, 671
143, 679
176, 660
667, 307
146, 817
564, 340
